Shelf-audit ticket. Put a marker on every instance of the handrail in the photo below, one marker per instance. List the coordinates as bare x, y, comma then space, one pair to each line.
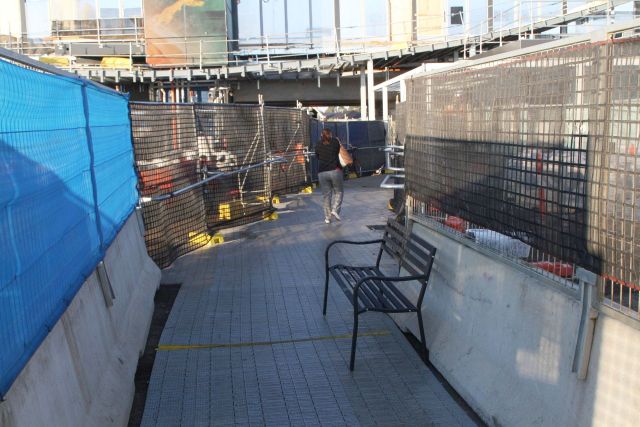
212, 177
475, 34
384, 184
392, 150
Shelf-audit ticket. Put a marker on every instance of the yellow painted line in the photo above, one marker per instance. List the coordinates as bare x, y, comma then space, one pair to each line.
169, 347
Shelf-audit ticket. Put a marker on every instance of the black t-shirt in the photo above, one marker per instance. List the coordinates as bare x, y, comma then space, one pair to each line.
327, 155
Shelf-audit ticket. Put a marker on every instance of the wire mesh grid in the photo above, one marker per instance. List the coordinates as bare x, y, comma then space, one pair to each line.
166, 152
178, 145
287, 136
231, 137
540, 149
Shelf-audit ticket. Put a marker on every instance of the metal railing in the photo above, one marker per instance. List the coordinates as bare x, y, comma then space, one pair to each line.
212, 176
391, 152
272, 48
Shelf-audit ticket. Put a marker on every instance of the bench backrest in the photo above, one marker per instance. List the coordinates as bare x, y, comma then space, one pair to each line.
394, 240
418, 257
413, 253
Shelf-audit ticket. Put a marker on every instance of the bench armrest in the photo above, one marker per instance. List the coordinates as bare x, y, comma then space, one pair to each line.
348, 242
359, 283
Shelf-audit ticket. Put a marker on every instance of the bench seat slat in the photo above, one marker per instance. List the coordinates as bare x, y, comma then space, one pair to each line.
403, 300
347, 288
378, 287
369, 294
344, 275
365, 291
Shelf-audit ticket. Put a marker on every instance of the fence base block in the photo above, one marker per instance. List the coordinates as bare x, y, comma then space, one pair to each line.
270, 216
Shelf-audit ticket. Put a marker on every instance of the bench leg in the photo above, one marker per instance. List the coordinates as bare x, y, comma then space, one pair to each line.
424, 344
354, 338
326, 291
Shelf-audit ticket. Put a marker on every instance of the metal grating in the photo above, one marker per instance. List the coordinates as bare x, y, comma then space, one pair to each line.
539, 148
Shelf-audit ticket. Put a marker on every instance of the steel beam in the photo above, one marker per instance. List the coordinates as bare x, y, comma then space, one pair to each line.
363, 94
371, 94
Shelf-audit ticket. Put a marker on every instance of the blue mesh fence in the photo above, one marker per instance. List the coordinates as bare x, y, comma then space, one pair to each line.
67, 184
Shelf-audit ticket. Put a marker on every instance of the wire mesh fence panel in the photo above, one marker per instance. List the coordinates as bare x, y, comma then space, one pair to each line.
287, 135
166, 151
539, 148
395, 137
232, 137
614, 220
220, 153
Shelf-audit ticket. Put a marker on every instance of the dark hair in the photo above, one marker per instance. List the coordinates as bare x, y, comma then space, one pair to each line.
326, 136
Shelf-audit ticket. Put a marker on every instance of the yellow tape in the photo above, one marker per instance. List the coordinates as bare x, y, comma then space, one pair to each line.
169, 347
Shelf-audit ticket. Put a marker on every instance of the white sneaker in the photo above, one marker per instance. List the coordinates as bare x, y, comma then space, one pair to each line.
327, 221
335, 215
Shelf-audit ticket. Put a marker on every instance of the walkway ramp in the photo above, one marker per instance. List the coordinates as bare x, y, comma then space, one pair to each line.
246, 342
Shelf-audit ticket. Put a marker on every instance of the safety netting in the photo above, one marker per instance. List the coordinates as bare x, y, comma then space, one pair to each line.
182, 146
67, 185
541, 148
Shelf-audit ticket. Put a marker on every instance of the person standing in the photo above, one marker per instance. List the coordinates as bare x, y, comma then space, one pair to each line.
330, 175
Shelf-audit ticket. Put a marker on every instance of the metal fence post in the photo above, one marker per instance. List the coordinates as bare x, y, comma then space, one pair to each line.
588, 317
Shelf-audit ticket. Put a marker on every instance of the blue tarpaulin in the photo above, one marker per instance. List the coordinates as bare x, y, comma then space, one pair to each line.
67, 185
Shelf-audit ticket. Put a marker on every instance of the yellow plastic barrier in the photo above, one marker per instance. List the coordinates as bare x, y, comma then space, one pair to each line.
114, 62
58, 61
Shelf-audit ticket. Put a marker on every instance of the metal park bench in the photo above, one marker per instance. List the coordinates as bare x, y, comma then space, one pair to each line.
369, 289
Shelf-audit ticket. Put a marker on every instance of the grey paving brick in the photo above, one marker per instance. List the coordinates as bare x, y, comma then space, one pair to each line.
267, 285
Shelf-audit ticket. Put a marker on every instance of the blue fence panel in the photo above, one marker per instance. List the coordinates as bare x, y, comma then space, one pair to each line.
66, 165
366, 137
113, 156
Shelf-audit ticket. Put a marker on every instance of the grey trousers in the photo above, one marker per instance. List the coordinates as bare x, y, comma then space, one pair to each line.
332, 191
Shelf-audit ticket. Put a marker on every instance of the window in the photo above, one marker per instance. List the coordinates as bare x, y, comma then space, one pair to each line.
457, 15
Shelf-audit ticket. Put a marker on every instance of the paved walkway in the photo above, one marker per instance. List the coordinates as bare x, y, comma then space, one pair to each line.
266, 354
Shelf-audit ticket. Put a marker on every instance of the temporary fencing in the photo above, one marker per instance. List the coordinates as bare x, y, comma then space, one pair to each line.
287, 134
67, 185
541, 148
184, 145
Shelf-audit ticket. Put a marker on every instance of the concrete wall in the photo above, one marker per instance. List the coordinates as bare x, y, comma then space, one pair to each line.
82, 374
504, 337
